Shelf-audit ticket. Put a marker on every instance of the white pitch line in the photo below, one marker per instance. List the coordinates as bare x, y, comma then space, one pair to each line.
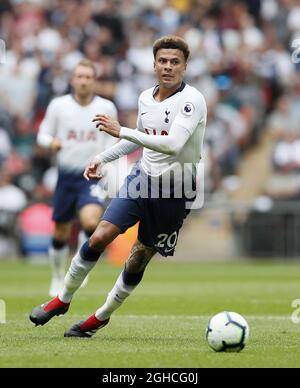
195, 317
187, 317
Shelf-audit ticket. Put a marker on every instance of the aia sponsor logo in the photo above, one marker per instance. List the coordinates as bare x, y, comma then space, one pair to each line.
82, 136
156, 132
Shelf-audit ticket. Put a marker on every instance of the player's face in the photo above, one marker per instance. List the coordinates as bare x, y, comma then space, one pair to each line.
83, 81
170, 66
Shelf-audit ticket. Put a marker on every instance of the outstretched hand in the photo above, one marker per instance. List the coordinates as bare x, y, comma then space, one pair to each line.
108, 125
93, 170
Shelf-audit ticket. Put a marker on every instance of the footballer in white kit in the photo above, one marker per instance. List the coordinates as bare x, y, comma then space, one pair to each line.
170, 128
71, 123
171, 133
68, 129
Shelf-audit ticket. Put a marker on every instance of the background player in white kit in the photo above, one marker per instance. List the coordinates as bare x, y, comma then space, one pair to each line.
171, 126
68, 131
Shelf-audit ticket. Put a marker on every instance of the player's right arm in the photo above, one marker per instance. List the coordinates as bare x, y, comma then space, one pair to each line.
47, 136
122, 148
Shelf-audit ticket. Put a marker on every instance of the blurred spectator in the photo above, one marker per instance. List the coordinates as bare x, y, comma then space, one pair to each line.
18, 81
282, 121
284, 184
5, 145
12, 199
23, 138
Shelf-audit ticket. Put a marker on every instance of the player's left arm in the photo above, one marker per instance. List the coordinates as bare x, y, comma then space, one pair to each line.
192, 112
47, 135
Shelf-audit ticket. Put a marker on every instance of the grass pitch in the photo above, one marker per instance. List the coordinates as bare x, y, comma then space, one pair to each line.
162, 324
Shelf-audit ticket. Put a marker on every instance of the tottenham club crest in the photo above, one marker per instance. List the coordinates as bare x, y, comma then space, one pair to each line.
188, 109
167, 113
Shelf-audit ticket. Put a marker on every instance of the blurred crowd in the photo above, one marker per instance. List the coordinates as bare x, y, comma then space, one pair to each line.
244, 61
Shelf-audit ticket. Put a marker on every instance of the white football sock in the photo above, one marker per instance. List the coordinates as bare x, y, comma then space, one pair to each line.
58, 258
115, 299
75, 276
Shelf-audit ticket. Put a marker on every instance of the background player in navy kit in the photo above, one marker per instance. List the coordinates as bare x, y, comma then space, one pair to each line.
171, 126
67, 130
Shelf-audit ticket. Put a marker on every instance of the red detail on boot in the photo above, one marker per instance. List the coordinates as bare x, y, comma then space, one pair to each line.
56, 303
92, 323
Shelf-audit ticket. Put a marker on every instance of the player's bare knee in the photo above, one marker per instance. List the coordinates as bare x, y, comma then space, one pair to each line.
103, 236
98, 240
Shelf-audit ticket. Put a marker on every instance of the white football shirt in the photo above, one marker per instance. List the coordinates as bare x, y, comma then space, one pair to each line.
70, 122
171, 131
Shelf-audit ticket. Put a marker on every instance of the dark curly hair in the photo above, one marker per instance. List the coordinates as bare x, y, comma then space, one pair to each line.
172, 42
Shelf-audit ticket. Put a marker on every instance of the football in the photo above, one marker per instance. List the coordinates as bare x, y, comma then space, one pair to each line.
227, 332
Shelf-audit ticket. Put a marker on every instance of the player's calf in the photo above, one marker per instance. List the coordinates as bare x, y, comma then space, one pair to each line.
42, 314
